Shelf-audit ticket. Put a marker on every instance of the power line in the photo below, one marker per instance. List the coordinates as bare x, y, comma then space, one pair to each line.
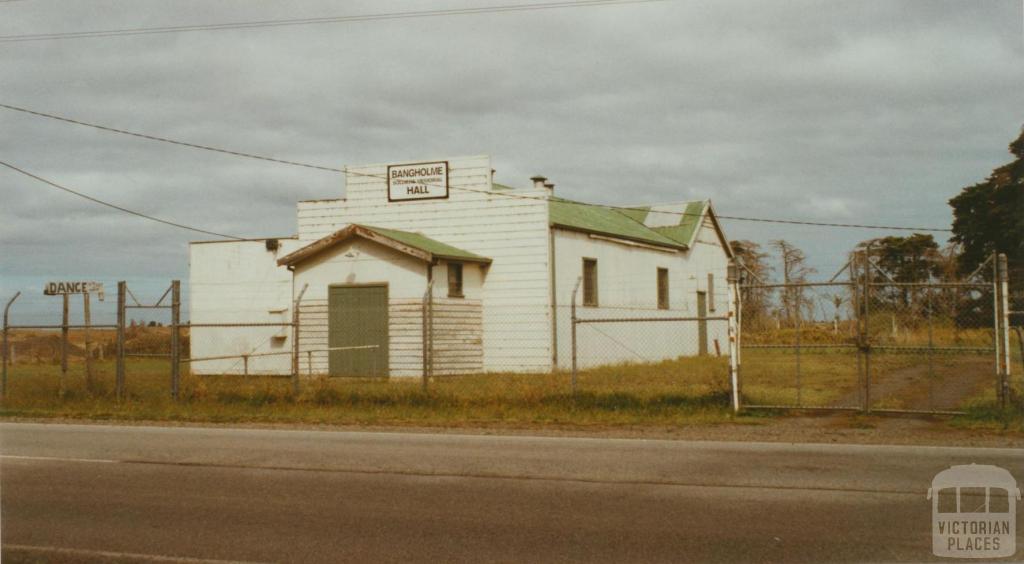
166, 140
115, 206
487, 192
321, 20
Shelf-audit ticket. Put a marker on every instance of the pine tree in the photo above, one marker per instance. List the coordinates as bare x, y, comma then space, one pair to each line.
989, 217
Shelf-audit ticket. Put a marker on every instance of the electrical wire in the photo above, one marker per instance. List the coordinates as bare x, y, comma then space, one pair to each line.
462, 188
117, 207
166, 140
321, 20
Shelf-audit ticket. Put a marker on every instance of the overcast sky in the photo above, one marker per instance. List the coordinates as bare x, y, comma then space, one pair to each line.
862, 111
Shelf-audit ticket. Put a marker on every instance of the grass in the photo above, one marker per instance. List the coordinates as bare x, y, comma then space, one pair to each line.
684, 391
828, 377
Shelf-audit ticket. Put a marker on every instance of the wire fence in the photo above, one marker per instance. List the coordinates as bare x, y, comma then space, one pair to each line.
433, 344
863, 343
874, 343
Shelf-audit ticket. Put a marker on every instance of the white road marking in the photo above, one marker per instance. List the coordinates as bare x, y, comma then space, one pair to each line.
58, 459
53, 550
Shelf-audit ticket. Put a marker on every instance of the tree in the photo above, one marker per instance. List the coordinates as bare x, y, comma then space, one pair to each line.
794, 271
914, 258
989, 217
753, 259
754, 270
905, 259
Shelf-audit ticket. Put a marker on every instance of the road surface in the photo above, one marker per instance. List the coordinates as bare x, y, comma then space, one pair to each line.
81, 493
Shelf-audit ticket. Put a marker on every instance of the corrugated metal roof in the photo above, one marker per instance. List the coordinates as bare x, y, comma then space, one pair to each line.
432, 246
689, 221
601, 220
414, 244
636, 214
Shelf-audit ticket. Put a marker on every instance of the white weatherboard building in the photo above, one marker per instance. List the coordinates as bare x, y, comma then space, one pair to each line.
501, 264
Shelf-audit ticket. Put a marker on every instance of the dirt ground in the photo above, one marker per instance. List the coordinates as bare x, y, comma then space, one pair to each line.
825, 428
949, 384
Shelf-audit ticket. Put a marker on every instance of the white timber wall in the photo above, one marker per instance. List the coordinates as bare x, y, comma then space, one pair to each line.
456, 324
627, 287
457, 327
511, 231
359, 261
240, 282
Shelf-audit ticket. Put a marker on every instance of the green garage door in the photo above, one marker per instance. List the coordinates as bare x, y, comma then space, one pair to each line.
358, 317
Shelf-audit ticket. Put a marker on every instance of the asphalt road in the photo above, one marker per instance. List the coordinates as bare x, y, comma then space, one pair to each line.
75, 493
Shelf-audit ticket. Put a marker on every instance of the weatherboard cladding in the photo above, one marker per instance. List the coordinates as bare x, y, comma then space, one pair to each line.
510, 231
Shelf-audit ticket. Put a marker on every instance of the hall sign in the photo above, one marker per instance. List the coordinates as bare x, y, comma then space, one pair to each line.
417, 181
73, 287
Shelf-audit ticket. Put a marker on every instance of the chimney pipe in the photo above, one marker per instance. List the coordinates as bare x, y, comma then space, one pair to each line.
550, 186
538, 181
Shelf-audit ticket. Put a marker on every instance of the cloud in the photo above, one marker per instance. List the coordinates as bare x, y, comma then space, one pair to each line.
869, 111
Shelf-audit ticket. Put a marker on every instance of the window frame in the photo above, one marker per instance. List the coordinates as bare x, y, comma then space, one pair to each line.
663, 287
711, 292
589, 284
456, 290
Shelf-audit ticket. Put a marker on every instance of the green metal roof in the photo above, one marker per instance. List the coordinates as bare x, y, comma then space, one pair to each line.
686, 229
636, 214
415, 244
426, 244
598, 219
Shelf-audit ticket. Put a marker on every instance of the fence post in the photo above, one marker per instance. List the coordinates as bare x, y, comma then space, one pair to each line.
7, 350
64, 346
428, 331
855, 305
119, 378
931, 351
295, 343
799, 329
1020, 345
575, 322
175, 348
867, 329
734, 339
87, 318
1004, 286
996, 325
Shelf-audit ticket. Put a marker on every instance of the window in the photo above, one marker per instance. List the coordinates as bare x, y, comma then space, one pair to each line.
972, 500
947, 500
662, 288
711, 292
455, 280
998, 500
590, 282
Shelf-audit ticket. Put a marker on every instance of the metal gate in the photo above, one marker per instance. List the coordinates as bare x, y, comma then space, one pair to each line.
875, 344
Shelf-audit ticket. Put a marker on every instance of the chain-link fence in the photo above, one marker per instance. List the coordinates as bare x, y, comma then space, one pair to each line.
865, 342
876, 343
800, 347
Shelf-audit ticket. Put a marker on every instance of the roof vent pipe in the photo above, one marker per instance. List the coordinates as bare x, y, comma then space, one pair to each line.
538, 182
